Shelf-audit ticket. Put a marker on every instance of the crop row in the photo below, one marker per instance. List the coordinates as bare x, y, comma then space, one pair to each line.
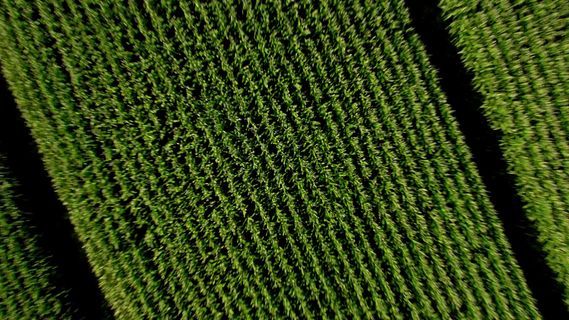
279, 159
518, 53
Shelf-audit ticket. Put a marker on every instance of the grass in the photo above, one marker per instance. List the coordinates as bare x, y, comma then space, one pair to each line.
286, 159
28, 283
517, 51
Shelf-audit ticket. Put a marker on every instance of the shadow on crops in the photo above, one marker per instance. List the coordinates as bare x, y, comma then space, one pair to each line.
46, 214
483, 141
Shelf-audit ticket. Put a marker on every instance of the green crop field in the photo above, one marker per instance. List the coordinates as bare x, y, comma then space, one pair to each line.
28, 285
283, 159
520, 58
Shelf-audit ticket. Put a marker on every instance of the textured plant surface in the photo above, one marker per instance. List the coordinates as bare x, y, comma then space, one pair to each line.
288, 159
28, 285
518, 53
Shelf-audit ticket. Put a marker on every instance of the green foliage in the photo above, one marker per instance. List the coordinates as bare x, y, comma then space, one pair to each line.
518, 53
28, 289
283, 159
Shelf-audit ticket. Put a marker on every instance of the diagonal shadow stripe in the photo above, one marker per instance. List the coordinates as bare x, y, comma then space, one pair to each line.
47, 214
457, 83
